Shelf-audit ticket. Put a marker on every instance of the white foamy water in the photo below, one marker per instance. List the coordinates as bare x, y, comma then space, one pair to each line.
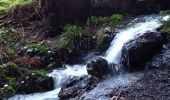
112, 55
59, 77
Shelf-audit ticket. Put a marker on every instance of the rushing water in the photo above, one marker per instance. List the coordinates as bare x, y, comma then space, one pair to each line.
137, 27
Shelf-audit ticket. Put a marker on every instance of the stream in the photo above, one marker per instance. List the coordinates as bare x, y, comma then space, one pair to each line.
134, 29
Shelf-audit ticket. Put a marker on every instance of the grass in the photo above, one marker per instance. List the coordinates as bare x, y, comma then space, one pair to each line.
71, 35
5, 5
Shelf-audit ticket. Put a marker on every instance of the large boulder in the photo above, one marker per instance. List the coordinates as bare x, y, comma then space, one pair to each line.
161, 60
98, 67
76, 86
136, 52
35, 83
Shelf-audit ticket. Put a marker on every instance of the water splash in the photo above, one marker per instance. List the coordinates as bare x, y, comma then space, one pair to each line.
113, 54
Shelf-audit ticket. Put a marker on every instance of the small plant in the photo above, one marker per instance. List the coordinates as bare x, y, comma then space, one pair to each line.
116, 18
72, 34
36, 48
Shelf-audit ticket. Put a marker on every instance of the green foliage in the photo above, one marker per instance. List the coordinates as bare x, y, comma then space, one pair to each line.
10, 88
116, 18
10, 51
40, 72
3, 35
166, 28
5, 5
164, 12
98, 20
36, 48
71, 35
11, 64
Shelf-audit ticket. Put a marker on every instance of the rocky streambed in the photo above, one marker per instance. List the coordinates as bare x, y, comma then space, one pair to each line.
140, 46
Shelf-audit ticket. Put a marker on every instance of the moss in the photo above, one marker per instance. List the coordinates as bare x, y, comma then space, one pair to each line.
166, 28
10, 51
164, 12
40, 72
5, 5
99, 20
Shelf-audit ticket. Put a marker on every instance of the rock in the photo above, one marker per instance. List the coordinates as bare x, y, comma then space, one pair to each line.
137, 52
161, 60
76, 86
98, 67
35, 83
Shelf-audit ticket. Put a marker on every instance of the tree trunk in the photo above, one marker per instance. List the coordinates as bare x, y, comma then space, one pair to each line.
59, 12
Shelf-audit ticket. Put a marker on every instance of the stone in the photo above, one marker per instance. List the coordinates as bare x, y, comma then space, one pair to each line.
98, 67
137, 52
76, 86
161, 60
35, 83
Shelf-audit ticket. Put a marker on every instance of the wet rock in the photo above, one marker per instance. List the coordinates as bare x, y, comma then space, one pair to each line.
35, 83
76, 86
161, 60
137, 52
98, 67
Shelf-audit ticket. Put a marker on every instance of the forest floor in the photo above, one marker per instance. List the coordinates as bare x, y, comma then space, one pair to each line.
154, 85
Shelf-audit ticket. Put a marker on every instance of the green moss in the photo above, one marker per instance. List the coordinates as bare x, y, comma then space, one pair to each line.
98, 20
5, 5
164, 12
10, 51
40, 72
166, 28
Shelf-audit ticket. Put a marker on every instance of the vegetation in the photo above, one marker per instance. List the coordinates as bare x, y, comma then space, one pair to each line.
36, 48
98, 20
166, 12
166, 28
5, 5
71, 35
26, 52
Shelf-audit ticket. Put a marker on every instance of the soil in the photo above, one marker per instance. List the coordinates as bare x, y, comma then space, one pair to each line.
154, 85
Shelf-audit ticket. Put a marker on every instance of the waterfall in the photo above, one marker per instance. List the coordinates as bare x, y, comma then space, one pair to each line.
137, 27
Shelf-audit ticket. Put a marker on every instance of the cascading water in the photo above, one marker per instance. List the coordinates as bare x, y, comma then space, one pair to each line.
137, 28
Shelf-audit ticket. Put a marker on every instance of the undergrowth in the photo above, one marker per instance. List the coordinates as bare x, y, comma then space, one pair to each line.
5, 5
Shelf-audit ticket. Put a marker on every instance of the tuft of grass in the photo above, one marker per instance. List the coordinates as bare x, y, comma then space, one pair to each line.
5, 5
72, 34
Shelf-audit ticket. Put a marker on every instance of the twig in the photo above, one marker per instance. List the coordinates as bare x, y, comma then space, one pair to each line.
118, 95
